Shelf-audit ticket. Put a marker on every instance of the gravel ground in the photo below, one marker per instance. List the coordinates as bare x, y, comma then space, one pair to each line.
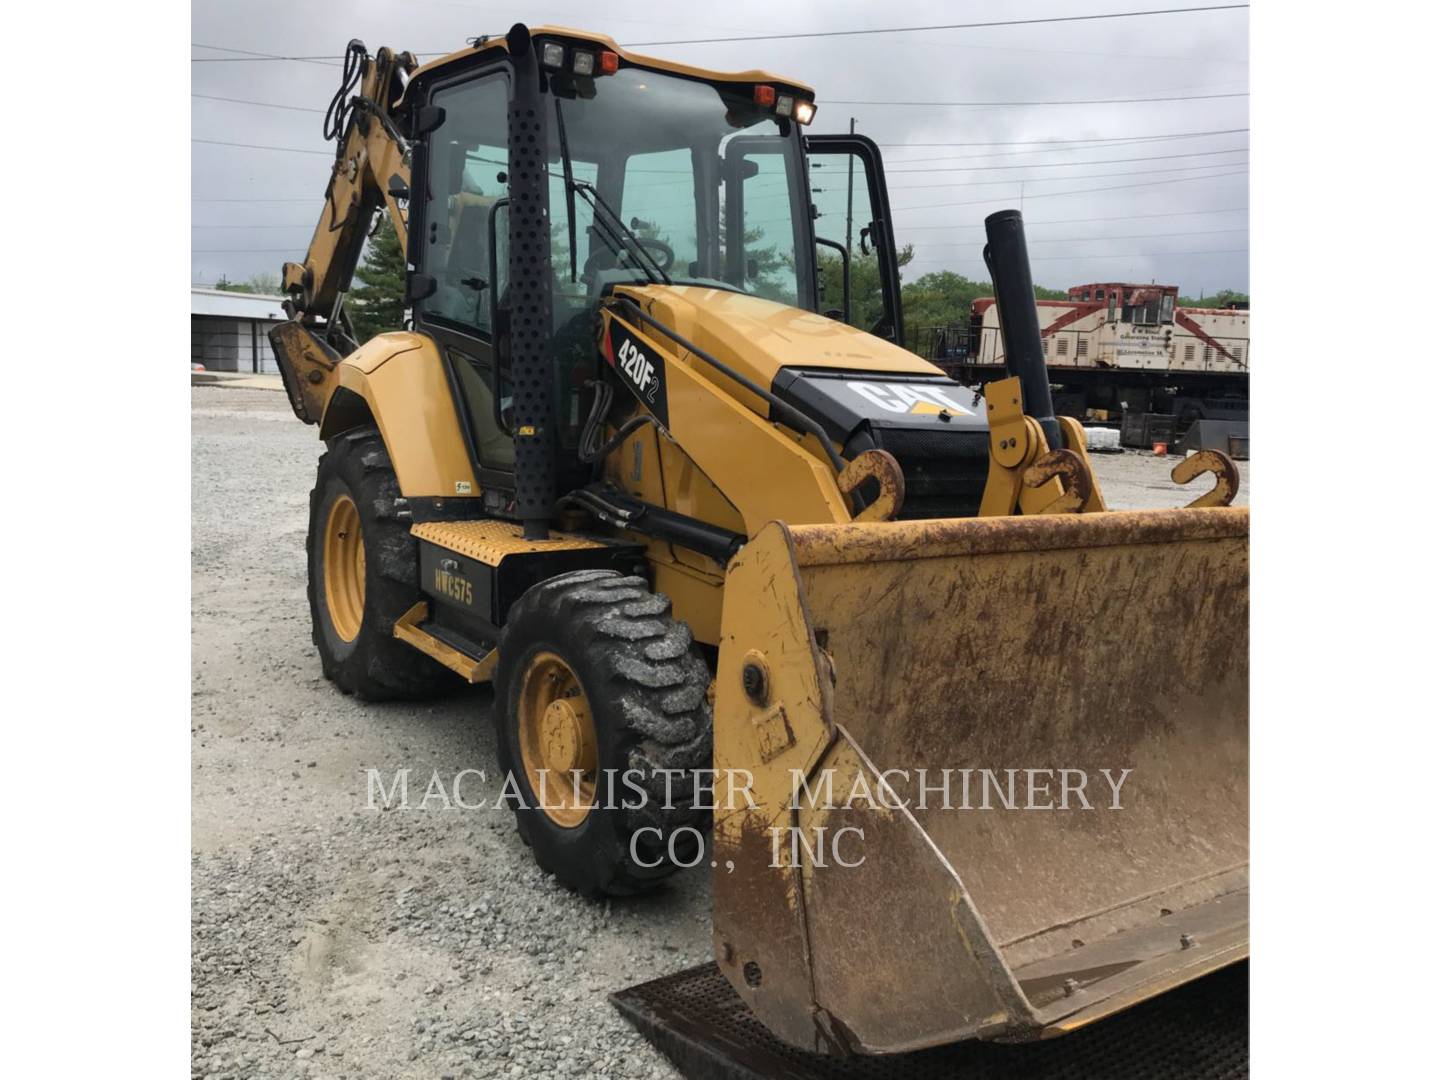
333, 939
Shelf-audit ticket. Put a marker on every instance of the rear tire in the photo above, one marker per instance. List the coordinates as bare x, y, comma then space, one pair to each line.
358, 589
636, 672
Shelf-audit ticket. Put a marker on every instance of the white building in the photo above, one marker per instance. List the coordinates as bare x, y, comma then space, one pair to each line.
229, 331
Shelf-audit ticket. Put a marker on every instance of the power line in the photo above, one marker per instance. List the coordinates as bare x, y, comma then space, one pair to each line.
1102, 239
1083, 191
249, 55
944, 26
1070, 164
295, 198
1027, 104
261, 104
1087, 220
244, 251
306, 225
1118, 255
1057, 143
259, 146
1068, 179
1066, 142
991, 155
253, 56
980, 168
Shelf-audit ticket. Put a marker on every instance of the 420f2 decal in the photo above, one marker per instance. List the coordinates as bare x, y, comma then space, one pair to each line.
639, 369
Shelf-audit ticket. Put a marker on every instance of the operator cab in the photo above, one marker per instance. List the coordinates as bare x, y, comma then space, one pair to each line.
657, 175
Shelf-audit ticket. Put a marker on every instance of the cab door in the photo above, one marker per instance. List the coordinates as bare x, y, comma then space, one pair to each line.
857, 275
457, 223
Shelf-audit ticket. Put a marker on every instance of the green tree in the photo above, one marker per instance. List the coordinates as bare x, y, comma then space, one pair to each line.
867, 301
377, 304
1215, 300
943, 298
226, 285
267, 282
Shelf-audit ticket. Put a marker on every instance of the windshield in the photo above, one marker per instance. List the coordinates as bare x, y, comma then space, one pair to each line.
709, 184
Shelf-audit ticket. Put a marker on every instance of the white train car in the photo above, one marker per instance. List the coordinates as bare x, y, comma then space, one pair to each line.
1115, 346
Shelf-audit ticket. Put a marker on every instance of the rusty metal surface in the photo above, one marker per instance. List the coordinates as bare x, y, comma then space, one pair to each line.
834, 544
307, 367
1074, 476
1063, 642
881, 467
1199, 1032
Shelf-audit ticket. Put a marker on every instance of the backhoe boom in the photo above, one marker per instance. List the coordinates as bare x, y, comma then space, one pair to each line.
371, 170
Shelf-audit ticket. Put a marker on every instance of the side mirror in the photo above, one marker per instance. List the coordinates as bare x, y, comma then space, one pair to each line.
419, 287
843, 314
427, 119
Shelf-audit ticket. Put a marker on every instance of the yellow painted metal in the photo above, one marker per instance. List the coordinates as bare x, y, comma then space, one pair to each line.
775, 478
695, 595
491, 541
408, 630
558, 746
639, 59
314, 364
758, 337
1077, 642
1075, 442
1216, 464
343, 556
359, 181
1017, 443
402, 379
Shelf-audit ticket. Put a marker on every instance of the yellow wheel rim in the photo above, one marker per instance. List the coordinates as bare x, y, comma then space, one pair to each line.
557, 740
344, 555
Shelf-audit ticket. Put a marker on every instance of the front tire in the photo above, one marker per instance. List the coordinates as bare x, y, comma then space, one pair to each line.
364, 574
596, 679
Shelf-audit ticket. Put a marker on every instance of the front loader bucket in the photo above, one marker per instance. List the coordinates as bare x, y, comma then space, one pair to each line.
1024, 750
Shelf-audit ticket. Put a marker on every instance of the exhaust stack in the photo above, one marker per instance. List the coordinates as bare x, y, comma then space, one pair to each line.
530, 320
1008, 261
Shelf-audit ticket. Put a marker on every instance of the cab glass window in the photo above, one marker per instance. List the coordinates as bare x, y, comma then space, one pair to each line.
467, 158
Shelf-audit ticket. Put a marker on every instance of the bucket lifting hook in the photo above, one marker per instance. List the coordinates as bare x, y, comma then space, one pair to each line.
1074, 480
1227, 477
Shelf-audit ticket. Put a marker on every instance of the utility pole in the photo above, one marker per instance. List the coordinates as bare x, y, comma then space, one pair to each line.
850, 196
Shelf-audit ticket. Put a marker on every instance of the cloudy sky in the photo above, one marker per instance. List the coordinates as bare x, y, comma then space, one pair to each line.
1111, 190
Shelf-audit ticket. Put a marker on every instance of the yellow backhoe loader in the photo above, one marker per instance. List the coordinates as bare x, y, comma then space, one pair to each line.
652, 458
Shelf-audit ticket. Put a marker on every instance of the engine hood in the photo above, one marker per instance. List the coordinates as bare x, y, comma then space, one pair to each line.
760, 338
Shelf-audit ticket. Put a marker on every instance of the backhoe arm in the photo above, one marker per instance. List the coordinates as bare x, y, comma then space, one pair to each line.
371, 170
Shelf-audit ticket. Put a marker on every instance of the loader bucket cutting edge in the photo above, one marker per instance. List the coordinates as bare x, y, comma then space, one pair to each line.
1027, 903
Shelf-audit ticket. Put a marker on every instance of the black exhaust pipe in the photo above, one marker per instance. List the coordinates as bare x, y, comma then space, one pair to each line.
1009, 263
531, 302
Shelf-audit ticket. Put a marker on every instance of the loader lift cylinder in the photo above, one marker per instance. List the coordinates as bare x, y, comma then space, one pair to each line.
1008, 261
531, 301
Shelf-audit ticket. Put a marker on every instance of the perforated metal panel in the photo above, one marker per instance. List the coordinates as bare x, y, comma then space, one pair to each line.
491, 541
1198, 1032
530, 303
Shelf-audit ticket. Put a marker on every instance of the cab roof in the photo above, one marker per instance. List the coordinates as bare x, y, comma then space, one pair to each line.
498, 41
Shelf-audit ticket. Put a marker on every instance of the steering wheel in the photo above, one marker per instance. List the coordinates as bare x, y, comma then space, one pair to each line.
664, 253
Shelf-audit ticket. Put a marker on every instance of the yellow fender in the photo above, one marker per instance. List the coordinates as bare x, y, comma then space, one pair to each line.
397, 382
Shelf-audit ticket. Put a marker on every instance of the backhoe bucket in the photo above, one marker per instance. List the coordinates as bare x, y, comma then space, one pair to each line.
1023, 747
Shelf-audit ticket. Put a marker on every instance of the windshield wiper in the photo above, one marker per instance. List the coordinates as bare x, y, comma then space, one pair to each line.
620, 236
621, 233
569, 183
